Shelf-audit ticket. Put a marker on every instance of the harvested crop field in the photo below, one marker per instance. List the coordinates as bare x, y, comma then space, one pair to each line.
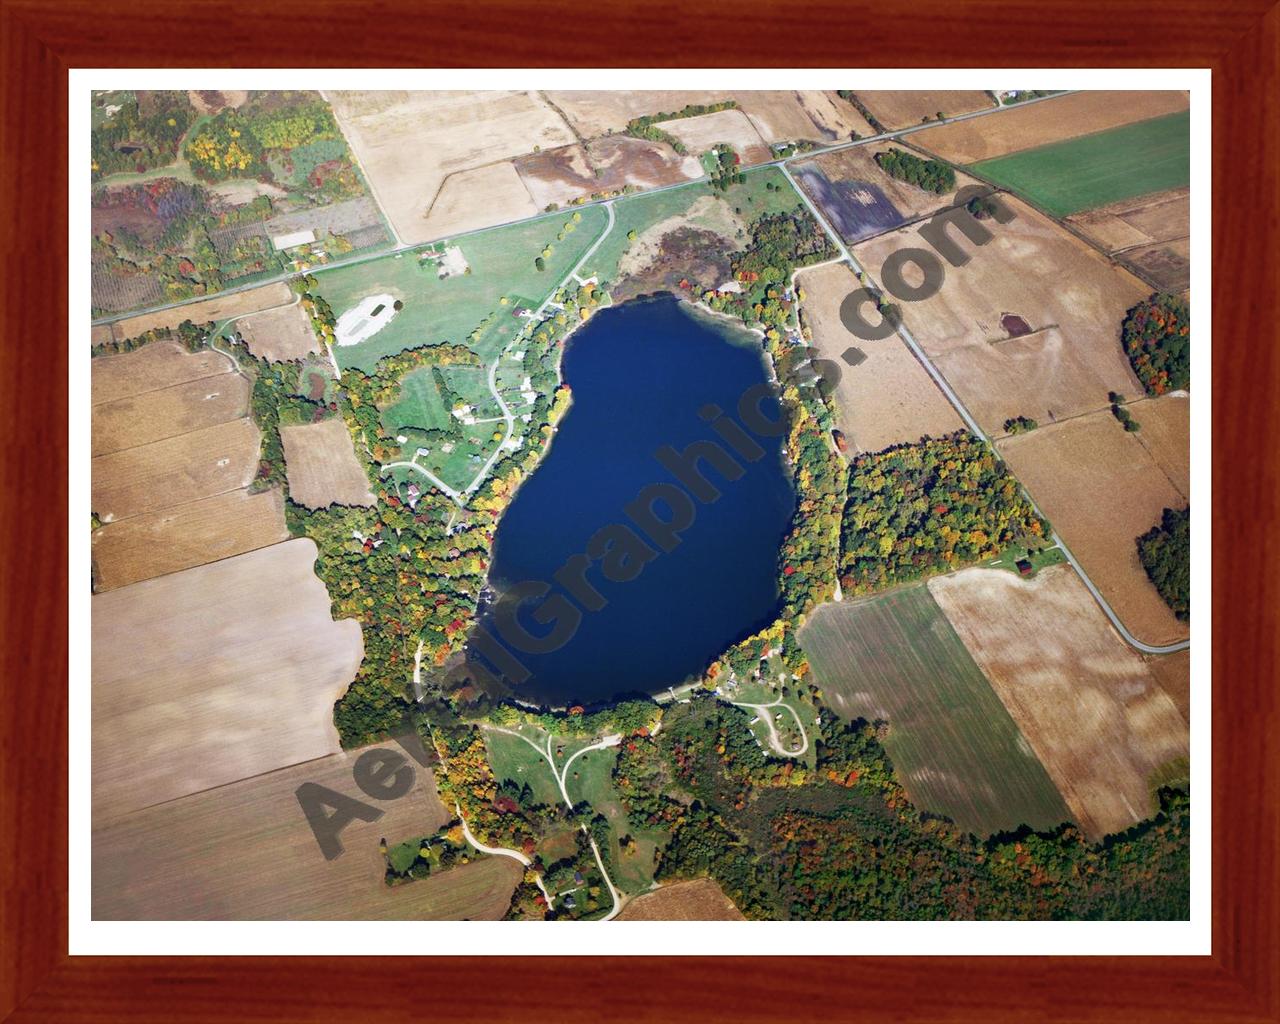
811, 114
220, 307
955, 748
175, 470
1101, 488
599, 112
705, 131
860, 200
214, 675
1069, 295
1151, 235
1173, 673
902, 108
155, 415
159, 365
699, 899
245, 852
1052, 120
1166, 435
322, 466
183, 536
1086, 702
1105, 167
279, 335
888, 397
409, 143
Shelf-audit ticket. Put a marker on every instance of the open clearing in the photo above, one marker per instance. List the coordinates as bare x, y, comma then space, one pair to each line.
213, 675
859, 199
322, 466
604, 165
1101, 488
449, 309
599, 112
183, 536
1051, 120
1069, 295
409, 143
220, 307
245, 852
175, 470
699, 899
790, 116
1173, 673
159, 365
705, 131
1150, 234
956, 750
1105, 167
1085, 701
279, 335
888, 398
906, 107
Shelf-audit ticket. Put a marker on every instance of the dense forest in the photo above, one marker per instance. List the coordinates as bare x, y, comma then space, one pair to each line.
141, 132
1165, 551
1156, 334
930, 175
918, 509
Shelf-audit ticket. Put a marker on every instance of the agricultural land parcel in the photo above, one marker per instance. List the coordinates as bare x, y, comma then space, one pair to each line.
957, 752
410, 143
706, 131
1105, 167
1150, 234
244, 851
322, 466
220, 307
279, 335
1086, 702
886, 399
859, 199
1102, 487
1051, 120
174, 451
699, 899
902, 108
1070, 296
795, 115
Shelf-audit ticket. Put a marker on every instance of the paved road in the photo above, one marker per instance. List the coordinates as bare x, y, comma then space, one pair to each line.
905, 333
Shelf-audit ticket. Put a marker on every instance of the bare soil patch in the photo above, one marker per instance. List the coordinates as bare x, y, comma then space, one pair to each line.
1087, 703
213, 675
886, 399
603, 165
322, 466
154, 415
279, 335
790, 116
210, 101
1167, 265
1173, 673
182, 536
1071, 296
1052, 120
217, 308
599, 112
154, 367
1101, 488
175, 470
409, 143
245, 852
703, 132
906, 107
699, 899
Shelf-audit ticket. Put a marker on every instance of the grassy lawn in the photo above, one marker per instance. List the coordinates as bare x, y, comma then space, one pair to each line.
1079, 174
512, 758
955, 747
502, 265
1039, 559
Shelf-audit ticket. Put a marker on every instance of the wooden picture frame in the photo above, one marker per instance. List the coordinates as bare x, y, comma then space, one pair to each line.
39, 981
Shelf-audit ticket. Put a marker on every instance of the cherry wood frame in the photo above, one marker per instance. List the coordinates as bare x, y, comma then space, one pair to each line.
39, 41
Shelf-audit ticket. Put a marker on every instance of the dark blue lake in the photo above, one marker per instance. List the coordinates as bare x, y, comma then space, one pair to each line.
640, 375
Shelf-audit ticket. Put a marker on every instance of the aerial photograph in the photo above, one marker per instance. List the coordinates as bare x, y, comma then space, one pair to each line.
640, 505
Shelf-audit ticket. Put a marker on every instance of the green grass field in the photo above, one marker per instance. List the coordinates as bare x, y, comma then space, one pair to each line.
1067, 177
954, 746
512, 758
502, 264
